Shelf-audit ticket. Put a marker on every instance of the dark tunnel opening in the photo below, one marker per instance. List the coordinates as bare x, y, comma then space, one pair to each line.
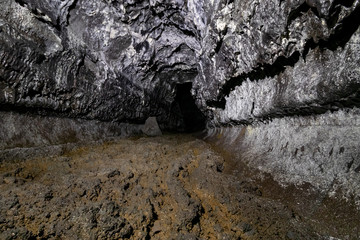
193, 119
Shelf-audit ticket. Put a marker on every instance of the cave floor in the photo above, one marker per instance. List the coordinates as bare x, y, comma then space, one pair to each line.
169, 187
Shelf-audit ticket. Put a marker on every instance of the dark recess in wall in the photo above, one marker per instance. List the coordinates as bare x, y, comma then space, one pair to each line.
194, 119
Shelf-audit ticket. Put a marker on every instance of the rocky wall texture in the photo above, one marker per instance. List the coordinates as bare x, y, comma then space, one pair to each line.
280, 58
35, 131
125, 60
288, 73
308, 149
25, 136
105, 60
223, 62
122, 60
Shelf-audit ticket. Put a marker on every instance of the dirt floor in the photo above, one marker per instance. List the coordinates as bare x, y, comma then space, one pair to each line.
169, 187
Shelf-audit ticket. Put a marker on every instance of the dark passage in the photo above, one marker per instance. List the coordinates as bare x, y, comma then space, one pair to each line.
193, 119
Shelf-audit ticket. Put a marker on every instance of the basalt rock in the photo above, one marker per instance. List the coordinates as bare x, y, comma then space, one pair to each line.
280, 58
125, 60
151, 127
105, 60
222, 63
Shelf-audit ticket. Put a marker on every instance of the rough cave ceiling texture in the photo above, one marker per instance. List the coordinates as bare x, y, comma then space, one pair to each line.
227, 62
124, 60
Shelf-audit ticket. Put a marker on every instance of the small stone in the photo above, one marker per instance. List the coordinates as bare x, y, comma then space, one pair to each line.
151, 127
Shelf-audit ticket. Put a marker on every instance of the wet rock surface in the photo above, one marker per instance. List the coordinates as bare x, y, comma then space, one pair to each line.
170, 187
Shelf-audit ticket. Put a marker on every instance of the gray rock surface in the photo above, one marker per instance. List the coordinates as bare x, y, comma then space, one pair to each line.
94, 59
24, 136
35, 131
279, 58
151, 127
240, 61
302, 150
124, 60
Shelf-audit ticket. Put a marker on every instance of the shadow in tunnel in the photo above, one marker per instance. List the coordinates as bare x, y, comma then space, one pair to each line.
193, 118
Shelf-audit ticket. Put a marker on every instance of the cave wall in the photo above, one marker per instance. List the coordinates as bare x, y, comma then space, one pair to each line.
105, 60
122, 60
280, 58
322, 150
280, 84
285, 70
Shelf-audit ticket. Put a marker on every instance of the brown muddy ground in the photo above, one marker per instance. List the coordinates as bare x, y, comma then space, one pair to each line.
169, 187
